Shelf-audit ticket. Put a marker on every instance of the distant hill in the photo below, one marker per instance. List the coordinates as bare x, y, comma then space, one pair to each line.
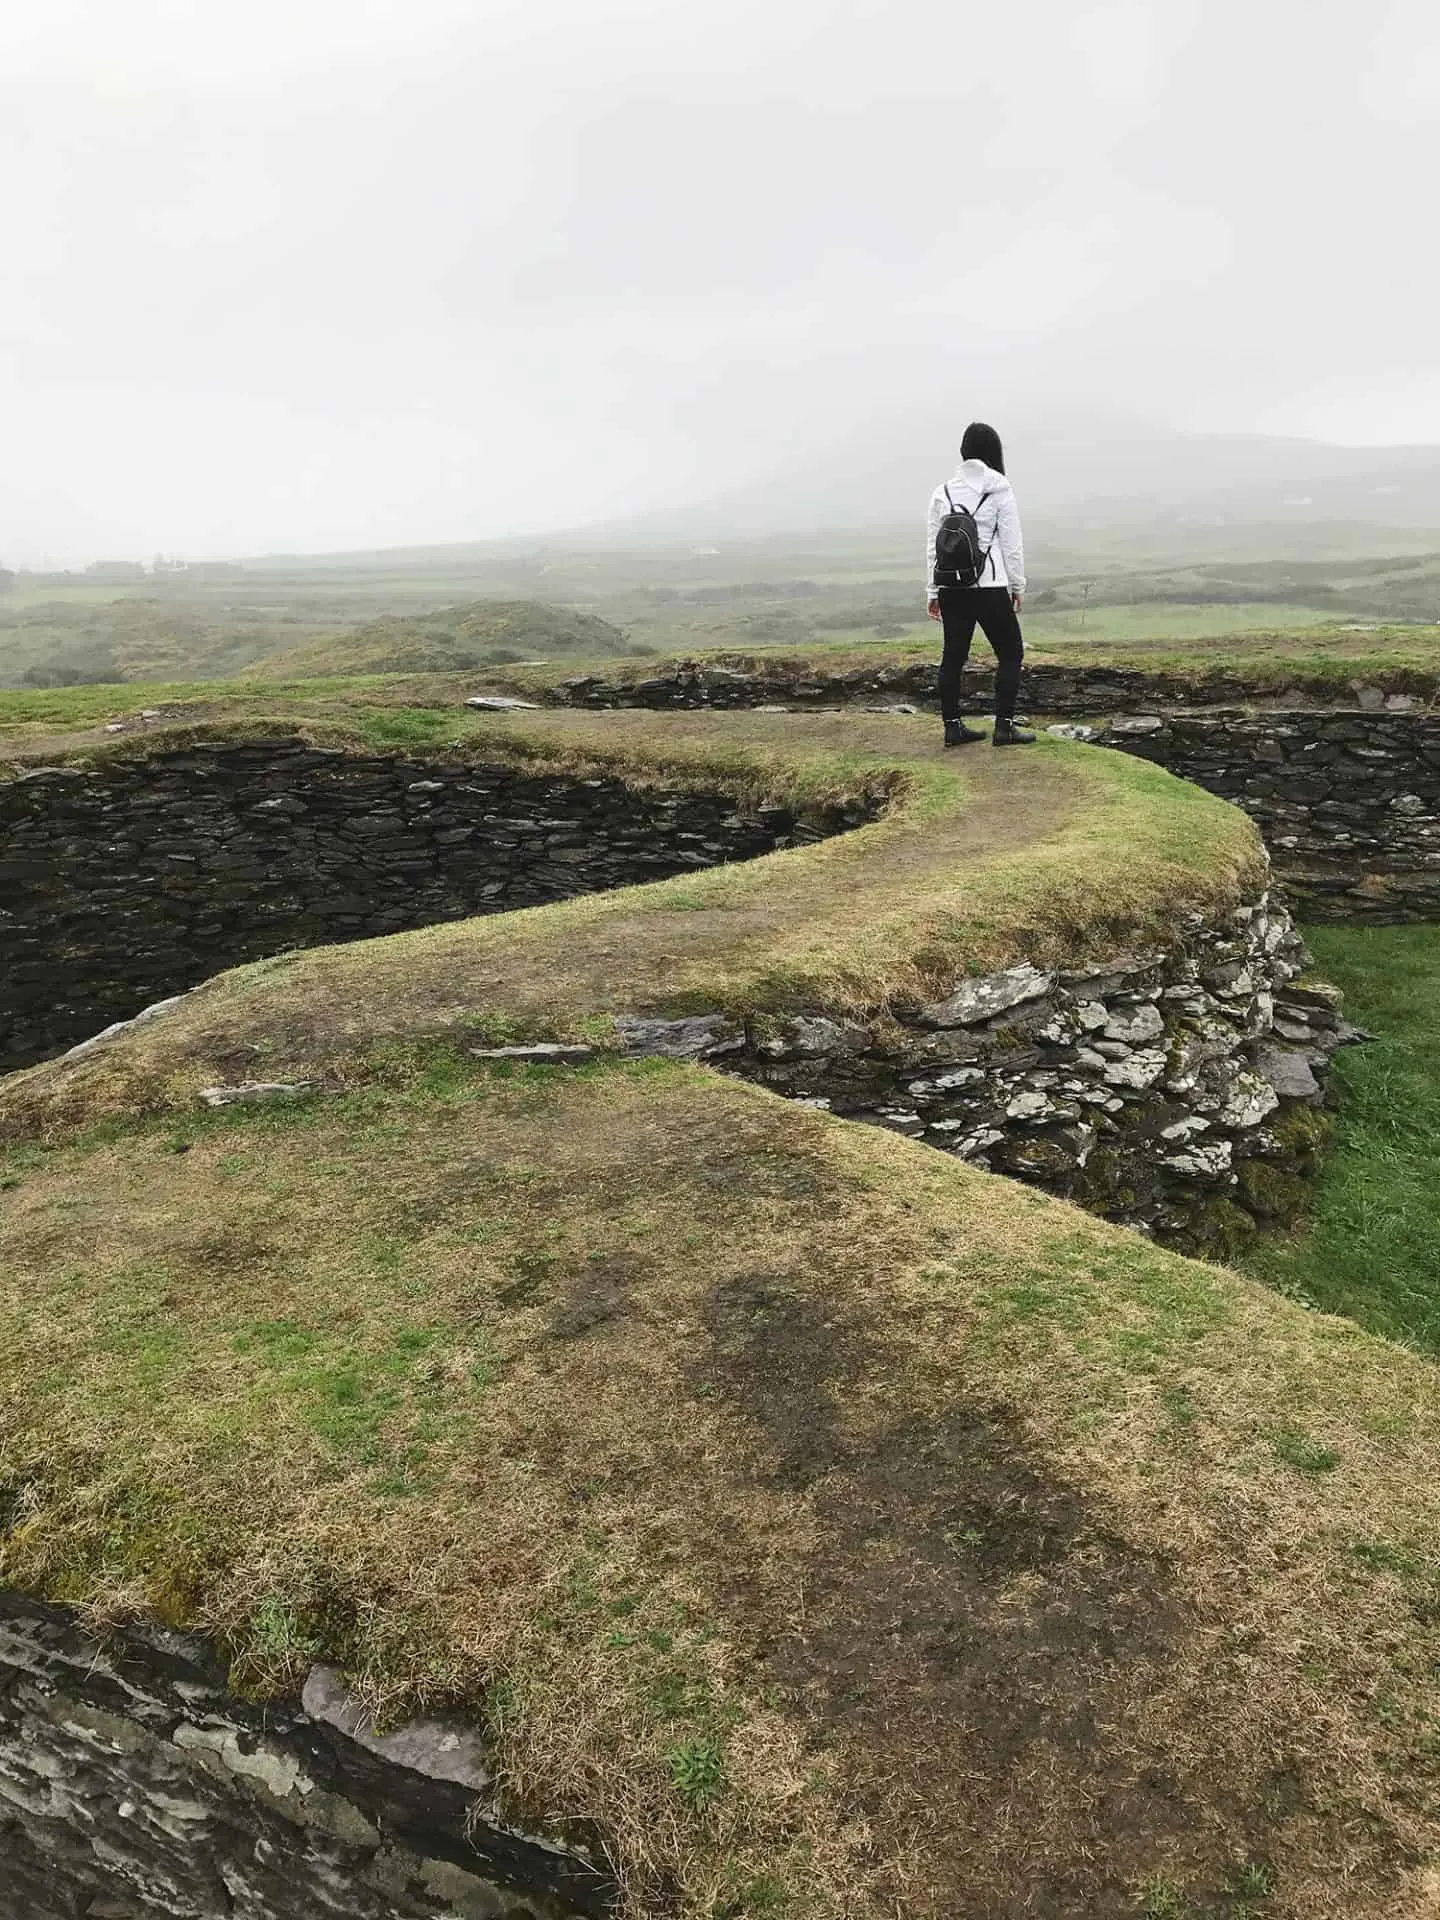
479, 633
1077, 474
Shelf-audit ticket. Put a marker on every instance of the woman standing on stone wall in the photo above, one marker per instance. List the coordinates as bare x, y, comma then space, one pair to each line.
975, 572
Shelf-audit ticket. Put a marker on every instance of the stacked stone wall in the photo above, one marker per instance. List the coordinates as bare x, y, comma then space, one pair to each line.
135, 879
1048, 689
1343, 781
1180, 1092
1348, 802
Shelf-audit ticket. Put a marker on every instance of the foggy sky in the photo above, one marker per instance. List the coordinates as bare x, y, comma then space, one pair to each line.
312, 274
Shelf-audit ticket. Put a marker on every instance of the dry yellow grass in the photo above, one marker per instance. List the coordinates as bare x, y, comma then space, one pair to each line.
846, 1532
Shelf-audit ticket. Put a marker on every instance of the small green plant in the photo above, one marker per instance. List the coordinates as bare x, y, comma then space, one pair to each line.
1308, 1456
1253, 1880
1161, 1899
750, 1899
1381, 1556
697, 1771
1180, 1408
278, 1639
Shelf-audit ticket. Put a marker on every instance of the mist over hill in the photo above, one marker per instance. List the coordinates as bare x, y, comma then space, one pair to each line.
1186, 492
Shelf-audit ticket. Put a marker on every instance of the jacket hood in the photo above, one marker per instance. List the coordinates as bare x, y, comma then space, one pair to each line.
979, 475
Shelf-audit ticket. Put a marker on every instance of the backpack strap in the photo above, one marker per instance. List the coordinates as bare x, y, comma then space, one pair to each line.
946, 491
994, 536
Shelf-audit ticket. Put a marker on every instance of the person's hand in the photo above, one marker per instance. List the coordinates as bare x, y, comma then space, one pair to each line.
1019, 600
933, 608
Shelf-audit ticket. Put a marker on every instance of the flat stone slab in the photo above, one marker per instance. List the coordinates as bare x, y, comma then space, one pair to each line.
1288, 1072
992, 993
501, 703
113, 1032
427, 1747
698, 1038
814, 1036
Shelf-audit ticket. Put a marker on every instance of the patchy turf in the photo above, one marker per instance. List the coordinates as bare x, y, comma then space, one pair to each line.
849, 1533
1322, 661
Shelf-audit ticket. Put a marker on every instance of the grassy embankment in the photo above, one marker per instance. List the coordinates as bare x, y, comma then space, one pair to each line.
846, 1532
1323, 662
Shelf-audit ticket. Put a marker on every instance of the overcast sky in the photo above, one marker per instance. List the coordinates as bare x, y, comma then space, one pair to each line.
328, 273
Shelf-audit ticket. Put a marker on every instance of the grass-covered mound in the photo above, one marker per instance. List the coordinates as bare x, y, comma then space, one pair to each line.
845, 1531
974, 863
450, 640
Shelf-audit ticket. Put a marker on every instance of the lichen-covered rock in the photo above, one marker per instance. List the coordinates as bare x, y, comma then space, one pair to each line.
252, 1093
987, 996
700, 1037
1138, 1071
808, 1035
1289, 1073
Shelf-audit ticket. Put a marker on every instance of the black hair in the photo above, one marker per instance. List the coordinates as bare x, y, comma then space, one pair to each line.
983, 443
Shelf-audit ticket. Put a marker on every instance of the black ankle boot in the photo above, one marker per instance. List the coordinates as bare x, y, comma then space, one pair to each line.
957, 734
1007, 734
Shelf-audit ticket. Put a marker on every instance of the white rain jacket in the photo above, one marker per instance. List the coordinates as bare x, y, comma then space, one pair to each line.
998, 520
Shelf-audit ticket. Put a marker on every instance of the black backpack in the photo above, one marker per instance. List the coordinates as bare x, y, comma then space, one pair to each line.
959, 561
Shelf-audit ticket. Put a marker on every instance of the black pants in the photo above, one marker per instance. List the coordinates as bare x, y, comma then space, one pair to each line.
993, 608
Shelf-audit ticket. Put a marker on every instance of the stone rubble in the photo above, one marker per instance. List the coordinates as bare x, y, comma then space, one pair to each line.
1158, 1089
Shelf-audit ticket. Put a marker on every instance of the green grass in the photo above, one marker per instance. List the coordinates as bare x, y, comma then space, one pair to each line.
23, 708
1161, 621
1372, 1246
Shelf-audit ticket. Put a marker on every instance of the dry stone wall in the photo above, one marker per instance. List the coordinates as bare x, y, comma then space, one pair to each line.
129, 881
1049, 689
135, 1785
1348, 802
1180, 1092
